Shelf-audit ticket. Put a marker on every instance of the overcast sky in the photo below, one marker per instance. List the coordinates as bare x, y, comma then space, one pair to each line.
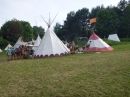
30, 10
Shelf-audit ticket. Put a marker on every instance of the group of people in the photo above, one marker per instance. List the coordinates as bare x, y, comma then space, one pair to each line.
19, 53
73, 48
26, 51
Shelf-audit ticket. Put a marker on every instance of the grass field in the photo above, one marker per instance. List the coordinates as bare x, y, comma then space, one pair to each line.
105, 74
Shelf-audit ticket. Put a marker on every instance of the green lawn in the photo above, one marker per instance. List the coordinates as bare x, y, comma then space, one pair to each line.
105, 74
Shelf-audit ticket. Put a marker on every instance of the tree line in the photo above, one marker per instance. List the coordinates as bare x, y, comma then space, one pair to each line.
13, 29
110, 20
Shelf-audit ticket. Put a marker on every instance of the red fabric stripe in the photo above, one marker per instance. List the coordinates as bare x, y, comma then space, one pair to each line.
93, 37
95, 49
46, 56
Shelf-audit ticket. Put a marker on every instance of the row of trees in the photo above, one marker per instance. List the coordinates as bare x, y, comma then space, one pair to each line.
14, 28
110, 20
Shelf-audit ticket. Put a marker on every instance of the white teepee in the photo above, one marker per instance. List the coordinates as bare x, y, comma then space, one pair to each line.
1, 51
114, 37
51, 45
19, 42
96, 44
37, 42
8, 46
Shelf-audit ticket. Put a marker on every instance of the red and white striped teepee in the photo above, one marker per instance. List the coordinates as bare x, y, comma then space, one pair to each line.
96, 44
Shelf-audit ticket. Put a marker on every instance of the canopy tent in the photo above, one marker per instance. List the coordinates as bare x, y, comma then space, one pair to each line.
51, 45
1, 51
8, 46
96, 44
19, 42
114, 37
37, 42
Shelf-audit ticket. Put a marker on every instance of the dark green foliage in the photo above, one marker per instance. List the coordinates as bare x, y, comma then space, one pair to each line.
11, 30
110, 20
14, 29
3, 43
28, 31
107, 21
125, 39
38, 30
122, 4
75, 25
111, 42
81, 18
126, 21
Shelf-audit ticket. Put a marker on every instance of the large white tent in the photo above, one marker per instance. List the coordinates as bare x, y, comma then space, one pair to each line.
96, 44
8, 46
51, 45
19, 42
36, 43
114, 37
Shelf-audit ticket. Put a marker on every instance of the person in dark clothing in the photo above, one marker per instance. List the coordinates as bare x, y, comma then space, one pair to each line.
32, 53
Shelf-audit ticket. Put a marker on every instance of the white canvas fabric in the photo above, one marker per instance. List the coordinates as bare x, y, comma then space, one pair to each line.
36, 44
99, 43
96, 44
8, 46
1, 51
19, 42
51, 45
114, 37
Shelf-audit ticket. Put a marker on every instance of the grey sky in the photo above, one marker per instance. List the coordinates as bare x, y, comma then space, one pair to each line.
30, 10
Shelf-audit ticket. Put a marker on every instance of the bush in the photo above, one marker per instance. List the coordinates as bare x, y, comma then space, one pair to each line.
111, 42
125, 39
3, 43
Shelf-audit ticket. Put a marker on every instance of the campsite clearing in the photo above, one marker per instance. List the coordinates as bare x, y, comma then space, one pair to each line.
78, 75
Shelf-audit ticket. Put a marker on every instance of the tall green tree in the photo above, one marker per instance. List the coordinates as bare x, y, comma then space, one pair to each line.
28, 31
57, 27
94, 11
38, 30
122, 4
11, 30
68, 28
106, 22
82, 21
126, 21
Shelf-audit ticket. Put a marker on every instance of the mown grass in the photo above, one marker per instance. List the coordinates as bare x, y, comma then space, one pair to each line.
105, 74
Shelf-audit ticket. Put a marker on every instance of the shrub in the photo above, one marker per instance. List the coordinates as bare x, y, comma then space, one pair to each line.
3, 43
111, 42
125, 39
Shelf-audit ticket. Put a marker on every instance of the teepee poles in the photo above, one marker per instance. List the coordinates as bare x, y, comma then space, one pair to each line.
45, 21
54, 18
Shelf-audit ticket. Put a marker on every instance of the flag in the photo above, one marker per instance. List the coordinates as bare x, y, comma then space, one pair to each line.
93, 20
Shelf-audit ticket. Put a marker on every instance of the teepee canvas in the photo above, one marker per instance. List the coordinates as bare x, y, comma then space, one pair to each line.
96, 44
37, 42
1, 51
8, 46
51, 45
114, 37
19, 42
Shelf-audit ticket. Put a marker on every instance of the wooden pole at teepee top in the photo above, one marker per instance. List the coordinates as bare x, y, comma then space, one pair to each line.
54, 18
45, 21
49, 22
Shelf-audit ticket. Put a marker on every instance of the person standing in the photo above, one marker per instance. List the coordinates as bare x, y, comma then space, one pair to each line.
8, 53
13, 54
32, 53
